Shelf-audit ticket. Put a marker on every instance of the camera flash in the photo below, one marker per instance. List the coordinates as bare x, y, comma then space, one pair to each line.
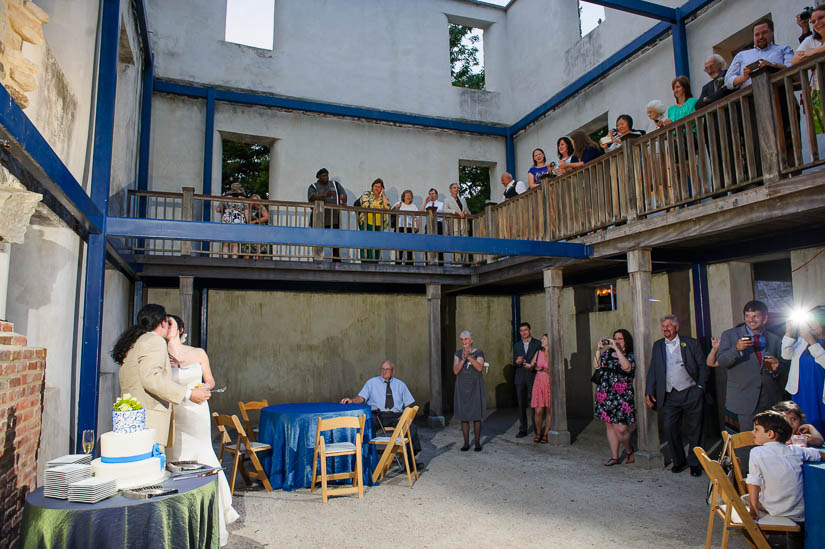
798, 316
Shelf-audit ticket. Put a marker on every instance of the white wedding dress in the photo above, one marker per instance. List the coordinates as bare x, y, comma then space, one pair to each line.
193, 441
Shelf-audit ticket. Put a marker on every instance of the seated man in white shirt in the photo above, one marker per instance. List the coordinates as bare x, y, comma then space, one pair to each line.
775, 474
387, 396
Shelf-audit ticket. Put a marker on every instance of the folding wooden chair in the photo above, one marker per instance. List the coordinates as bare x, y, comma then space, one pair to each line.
397, 443
739, 440
244, 447
246, 407
729, 506
336, 449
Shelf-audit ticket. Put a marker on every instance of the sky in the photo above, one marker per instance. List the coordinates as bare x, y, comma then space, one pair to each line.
244, 24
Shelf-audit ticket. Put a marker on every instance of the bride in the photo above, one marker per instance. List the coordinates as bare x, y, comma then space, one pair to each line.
193, 422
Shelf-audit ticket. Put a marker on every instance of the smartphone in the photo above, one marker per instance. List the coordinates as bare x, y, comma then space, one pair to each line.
753, 66
605, 342
746, 338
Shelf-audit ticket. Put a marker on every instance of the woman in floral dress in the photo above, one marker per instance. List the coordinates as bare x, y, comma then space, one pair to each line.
614, 392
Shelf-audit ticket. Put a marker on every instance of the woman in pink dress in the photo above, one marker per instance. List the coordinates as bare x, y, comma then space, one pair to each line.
540, 401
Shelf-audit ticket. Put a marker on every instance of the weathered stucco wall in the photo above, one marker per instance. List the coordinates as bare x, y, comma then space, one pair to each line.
808, 290
354, 152
304, 347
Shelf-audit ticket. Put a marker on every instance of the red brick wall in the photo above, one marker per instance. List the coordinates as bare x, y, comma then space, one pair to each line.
22, 371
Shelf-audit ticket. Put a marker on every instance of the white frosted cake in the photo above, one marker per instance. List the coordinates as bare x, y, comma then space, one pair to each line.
129, 453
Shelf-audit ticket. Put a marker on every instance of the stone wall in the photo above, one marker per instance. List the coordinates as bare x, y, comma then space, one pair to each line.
22, 372
20, 21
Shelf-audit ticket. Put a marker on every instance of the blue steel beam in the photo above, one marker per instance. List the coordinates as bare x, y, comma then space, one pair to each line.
36, 157
89, 383
262, 100
680, 49
640, 7
143, 28
300, 236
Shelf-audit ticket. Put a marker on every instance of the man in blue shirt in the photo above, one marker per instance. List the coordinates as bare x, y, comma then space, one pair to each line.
387, 396
764, 51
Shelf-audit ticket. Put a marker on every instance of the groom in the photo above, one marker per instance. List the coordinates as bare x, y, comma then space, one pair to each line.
146, 374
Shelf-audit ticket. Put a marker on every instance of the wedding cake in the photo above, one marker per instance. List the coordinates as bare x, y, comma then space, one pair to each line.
129, 453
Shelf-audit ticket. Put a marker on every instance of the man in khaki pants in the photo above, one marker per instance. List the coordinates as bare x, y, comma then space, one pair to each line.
145, 372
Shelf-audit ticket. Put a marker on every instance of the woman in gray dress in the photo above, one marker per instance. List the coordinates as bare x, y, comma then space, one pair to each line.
469, 401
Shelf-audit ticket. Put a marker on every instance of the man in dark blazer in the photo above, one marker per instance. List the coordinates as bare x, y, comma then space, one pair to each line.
676, 384
750, 355
524, 350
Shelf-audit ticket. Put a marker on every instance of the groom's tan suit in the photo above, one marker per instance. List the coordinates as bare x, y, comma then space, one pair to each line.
146, 374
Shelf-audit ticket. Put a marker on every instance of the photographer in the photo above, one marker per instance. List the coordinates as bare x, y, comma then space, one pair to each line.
749, 352
624, 129
803, 346
803, 19
615, 369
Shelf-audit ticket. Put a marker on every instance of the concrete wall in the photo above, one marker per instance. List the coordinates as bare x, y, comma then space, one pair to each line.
117, 305
807, 281
305, 347
631, 87
354, 152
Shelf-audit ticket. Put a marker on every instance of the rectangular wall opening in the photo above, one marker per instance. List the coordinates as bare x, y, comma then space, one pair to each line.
250, 23
467, 56
474, 183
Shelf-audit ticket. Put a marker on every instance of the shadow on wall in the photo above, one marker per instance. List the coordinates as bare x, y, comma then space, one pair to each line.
506, 392
12, 497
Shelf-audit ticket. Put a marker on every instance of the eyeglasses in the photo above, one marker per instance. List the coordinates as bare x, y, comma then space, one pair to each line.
386, 369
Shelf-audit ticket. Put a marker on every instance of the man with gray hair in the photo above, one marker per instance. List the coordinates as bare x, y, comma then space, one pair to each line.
676, 384
715, 89
387, 396
512, 188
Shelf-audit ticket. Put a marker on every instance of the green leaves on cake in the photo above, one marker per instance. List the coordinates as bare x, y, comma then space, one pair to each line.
127, 403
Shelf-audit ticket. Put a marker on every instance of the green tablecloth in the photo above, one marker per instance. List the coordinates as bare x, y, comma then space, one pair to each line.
186, 519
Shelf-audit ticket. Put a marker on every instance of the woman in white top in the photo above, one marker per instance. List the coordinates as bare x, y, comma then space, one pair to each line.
406, 223
656, 112
193, 422
810, 47
803, 346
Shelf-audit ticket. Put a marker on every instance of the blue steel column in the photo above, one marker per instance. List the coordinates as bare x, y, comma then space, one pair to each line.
208, 151
515, 307
680, 48
96, 246
511, 153
701, 300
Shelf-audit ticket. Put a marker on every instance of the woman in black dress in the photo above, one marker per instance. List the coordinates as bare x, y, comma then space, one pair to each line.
469, 401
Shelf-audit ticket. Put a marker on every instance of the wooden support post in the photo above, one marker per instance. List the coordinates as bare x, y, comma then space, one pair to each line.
489, 229
766, 126
558, 435
187, 286
187, 211
627, 185
647, 424
318, 223
434, 322
432, 257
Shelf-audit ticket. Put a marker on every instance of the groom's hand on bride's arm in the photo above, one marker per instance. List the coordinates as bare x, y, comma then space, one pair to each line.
199, 396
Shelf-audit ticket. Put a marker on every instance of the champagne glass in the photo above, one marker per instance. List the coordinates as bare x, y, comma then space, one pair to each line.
88, 440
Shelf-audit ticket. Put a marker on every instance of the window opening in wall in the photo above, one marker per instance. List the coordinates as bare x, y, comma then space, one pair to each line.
467, 56
596, 128
773, 286
247, 164
738, 41
590, 17
474, 184
606, 298
250, 23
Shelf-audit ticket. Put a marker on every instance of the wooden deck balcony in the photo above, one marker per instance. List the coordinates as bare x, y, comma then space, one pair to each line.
703, 189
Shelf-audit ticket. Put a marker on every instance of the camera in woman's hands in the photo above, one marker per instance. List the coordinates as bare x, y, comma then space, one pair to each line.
604, 342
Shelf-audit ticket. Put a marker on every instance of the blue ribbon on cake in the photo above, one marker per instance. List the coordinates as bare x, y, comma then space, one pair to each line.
156, 452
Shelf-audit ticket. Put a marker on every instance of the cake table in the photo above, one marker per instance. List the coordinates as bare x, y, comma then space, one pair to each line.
186, 519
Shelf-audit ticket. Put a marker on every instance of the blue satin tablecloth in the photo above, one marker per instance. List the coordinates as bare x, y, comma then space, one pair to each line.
188, 519
814, 490
290, 430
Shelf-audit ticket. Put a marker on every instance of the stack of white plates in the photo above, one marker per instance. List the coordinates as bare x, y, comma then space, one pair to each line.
84, 459
58, 479
92, 490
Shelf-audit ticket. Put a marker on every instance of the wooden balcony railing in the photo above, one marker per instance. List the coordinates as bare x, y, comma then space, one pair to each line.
754, 136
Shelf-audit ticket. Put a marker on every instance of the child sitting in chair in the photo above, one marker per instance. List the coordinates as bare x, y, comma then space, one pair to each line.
775, 474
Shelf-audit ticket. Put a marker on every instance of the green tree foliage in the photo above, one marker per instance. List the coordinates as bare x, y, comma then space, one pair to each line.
465, 69
474, 185
247, 164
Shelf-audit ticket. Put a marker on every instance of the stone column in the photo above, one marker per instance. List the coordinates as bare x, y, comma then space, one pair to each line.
434, 322
559, 435
16, 208
5, 251
647, 423
187, 284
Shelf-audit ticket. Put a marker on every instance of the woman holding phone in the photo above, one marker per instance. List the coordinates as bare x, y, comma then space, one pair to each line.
615, 402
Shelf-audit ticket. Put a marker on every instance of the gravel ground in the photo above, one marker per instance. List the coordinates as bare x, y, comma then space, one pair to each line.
514, 493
